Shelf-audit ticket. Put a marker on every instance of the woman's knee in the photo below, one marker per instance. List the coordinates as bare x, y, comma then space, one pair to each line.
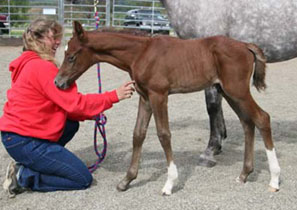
87, 180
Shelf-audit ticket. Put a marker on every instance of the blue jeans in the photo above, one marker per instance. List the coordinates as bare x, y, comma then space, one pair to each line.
47, 166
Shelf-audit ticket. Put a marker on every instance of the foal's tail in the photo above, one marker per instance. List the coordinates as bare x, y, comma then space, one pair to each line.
260, 66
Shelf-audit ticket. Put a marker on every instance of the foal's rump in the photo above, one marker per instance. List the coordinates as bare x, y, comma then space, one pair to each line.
236, 62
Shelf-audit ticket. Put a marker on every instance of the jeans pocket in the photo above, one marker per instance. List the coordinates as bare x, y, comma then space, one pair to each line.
15, 146
11, 140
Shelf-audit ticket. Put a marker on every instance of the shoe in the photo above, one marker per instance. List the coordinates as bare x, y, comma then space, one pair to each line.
10, 184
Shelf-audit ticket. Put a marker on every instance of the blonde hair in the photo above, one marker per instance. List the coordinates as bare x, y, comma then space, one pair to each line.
36, 31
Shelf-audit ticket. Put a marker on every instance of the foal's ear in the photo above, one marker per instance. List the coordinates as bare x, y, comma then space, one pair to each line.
78, 30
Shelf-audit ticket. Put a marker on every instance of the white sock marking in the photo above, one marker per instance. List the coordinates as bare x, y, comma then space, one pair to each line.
172, 176
274, 168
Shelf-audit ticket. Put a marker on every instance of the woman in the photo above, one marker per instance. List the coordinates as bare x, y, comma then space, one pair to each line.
39, 119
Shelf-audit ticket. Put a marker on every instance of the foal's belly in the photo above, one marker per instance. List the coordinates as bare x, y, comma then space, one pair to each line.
185, 90
190, 86
193, 76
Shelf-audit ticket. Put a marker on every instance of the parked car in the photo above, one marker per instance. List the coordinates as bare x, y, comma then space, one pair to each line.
148, 20
4, 24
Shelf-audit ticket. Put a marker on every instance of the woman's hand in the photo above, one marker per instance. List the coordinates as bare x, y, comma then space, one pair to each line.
126, 90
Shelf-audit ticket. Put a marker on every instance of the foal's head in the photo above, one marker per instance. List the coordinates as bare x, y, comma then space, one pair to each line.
78, 58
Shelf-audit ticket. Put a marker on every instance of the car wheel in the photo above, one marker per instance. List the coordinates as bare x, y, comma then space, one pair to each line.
2, 28
165, 32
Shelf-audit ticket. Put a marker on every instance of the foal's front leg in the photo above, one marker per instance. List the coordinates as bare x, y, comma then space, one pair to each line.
143, 119
160, 111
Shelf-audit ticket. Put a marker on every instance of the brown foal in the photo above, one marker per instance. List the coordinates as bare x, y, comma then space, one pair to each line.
164, 65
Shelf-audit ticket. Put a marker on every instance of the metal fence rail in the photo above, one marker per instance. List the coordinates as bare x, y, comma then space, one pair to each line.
84, 12
15, 15
149, 15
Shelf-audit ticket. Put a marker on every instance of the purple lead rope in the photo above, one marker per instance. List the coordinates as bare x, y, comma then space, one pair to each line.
100, 120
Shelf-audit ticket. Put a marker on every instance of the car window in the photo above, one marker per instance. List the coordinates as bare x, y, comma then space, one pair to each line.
145, 15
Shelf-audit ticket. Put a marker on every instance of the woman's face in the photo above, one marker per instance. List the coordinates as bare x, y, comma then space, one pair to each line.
52, 42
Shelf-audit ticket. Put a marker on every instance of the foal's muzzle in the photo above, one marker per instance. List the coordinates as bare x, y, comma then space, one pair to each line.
61, 84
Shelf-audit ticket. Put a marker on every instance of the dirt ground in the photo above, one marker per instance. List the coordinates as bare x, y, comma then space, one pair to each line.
198, 187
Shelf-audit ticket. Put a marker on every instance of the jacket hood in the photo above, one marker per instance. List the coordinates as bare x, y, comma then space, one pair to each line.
17, 65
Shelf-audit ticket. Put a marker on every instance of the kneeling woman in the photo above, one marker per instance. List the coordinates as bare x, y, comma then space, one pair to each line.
39, 119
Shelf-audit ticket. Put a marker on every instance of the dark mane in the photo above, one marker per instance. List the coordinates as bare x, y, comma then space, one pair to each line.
131, 31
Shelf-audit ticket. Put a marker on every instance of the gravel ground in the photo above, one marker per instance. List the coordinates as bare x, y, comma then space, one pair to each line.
197, 187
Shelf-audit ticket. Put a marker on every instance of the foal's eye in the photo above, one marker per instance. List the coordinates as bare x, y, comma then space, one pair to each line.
71, 59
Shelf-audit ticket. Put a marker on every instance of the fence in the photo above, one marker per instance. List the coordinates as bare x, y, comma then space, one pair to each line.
16, 15
149, 15
142, 14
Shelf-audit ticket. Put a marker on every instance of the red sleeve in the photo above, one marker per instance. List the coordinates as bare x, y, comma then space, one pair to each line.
77, 105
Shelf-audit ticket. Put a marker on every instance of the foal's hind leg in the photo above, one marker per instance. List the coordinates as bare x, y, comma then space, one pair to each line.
213, 99
249, 133
143, 118
160, 111
248, 164
261, 119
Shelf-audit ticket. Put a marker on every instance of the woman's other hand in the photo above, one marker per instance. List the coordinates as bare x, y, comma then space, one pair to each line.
126, 90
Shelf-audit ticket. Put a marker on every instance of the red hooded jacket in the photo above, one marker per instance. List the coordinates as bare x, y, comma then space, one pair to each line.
37, 108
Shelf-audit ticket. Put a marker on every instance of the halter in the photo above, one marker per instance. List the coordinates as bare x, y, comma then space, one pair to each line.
100, 119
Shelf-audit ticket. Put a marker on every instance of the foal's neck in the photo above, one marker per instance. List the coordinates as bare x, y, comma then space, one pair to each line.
118, 49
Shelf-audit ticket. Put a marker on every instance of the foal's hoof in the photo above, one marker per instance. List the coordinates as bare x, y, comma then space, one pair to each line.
122, 187
272, 189
239, 180
166, 193
206, 161
167, 190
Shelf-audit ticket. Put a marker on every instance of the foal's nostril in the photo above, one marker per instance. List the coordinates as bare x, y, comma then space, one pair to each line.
59, 85
63, 86
56, 83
